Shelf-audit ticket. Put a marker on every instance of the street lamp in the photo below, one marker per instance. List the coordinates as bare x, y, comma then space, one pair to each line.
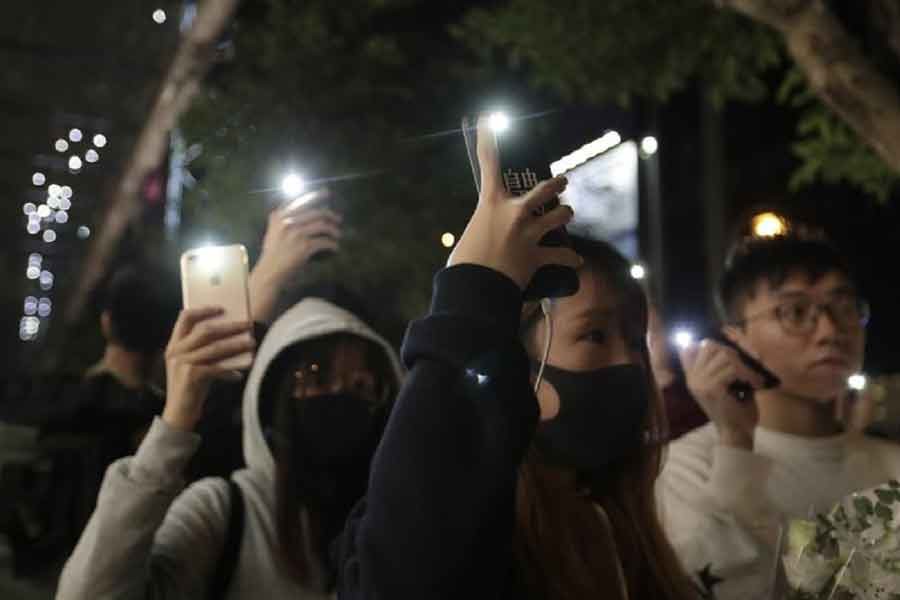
768, 225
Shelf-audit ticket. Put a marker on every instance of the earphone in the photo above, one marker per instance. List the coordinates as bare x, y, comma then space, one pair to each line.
546, 305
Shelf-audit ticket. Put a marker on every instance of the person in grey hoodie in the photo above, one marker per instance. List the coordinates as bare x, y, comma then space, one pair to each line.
314, 405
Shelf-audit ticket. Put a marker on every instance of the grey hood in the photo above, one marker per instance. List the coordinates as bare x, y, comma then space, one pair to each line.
308, 319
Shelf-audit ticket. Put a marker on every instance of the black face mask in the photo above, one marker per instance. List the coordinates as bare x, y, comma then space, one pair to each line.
601, 416
337, 430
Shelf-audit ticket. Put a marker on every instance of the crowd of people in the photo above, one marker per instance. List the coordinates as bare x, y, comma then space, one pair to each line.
551, 449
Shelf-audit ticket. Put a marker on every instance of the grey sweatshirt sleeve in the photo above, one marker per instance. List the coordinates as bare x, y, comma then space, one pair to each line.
144, 540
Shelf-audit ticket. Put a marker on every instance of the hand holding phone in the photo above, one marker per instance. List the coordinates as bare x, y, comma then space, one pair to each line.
201, 348
711, 369
216, 276
739, 388
552, 279
504, 232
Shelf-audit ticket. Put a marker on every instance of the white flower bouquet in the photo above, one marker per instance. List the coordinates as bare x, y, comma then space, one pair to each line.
853, 553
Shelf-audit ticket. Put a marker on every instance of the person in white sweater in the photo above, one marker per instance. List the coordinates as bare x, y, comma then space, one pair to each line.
726, 488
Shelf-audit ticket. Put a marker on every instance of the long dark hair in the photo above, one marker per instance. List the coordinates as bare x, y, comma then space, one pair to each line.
564, 548
312, 501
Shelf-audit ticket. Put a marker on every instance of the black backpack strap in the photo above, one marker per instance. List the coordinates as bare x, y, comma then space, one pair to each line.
231, 549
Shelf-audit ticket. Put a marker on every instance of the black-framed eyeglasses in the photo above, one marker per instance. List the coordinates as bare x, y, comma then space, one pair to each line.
800, 315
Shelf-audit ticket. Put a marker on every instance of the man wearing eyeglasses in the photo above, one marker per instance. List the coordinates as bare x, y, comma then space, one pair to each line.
793, 304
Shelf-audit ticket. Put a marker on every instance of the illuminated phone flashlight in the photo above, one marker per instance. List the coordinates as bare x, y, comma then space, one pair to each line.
210, 258
498, 122
857, 382
638, 271
683, 338
292, 185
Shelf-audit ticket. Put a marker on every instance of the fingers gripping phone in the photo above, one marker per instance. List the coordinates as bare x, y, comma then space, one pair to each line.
550, 281
313, 199
742, 390
218, 276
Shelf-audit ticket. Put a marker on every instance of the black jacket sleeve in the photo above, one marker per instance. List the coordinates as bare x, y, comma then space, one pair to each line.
437, 521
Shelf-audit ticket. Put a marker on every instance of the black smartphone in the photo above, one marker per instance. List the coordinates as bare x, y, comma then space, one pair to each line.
521, 172
742, 390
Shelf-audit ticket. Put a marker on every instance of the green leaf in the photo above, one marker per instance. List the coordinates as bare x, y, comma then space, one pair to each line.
886, 496
863, 506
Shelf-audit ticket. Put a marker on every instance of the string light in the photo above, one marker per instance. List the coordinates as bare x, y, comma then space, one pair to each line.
448, 239
74, 163
61, 145
159, 16
99, 140
38, 179
91, 156
75, 135
49, 236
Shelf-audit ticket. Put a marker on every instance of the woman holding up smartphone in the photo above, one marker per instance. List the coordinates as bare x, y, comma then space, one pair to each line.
314, 406
482, 488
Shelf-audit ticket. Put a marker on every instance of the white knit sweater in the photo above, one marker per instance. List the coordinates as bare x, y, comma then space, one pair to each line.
722, 506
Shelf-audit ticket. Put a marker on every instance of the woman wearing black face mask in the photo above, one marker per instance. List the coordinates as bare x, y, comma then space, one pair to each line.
314, 408
483, 488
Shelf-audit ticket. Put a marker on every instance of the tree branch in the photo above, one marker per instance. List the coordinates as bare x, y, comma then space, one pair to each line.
836, 69
181, 83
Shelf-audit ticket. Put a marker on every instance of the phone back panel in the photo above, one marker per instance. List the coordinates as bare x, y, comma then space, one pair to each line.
217, 276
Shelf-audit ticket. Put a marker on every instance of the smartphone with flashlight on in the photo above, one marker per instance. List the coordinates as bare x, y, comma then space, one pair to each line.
520, 173
317, 198
218, 276
740, 390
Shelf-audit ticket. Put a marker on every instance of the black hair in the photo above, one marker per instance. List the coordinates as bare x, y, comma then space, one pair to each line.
631, 300
753, 260
140, 310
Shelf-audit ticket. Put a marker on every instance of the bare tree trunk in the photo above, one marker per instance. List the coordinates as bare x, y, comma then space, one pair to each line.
838, 72
181, 83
